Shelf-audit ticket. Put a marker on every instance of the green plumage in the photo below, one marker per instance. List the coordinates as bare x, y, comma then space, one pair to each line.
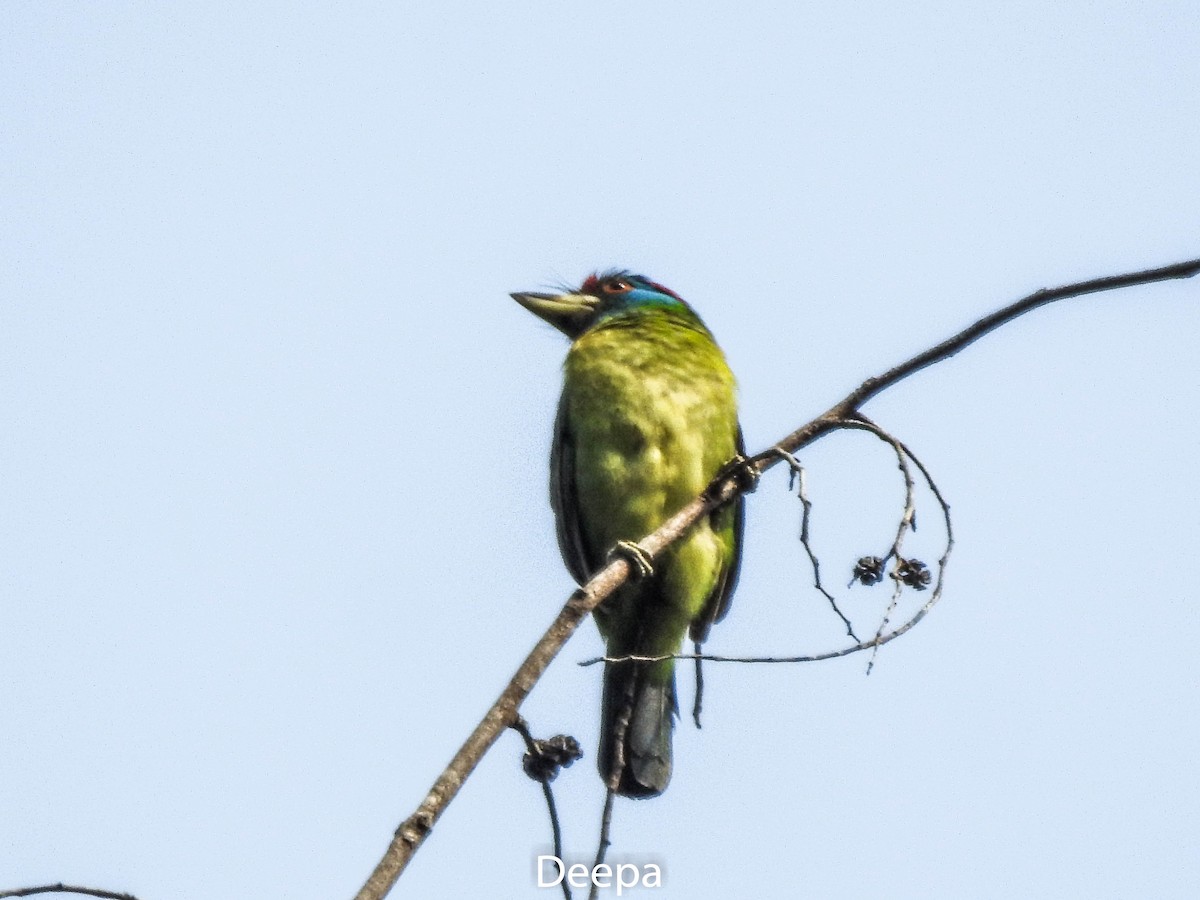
646, 419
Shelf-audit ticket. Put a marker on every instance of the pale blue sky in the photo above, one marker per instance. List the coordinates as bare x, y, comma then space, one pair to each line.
275, 525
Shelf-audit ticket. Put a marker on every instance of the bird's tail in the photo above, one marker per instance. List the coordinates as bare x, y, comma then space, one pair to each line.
637, 719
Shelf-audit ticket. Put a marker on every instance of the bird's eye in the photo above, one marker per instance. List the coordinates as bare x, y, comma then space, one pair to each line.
616, 287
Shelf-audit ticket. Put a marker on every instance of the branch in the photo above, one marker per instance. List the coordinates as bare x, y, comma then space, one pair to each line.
413, 830
987, 324
61, 888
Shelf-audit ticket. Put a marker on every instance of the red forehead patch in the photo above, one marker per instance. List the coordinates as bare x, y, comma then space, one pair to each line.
591, 284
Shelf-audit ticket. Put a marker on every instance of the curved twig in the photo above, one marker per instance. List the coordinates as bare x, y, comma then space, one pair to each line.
862, 423
797, 476
907, 518
61, 888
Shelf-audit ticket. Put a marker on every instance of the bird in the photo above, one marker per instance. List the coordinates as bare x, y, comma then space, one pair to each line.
646, 419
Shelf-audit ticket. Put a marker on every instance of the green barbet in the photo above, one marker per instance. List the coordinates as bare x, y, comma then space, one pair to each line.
647, 418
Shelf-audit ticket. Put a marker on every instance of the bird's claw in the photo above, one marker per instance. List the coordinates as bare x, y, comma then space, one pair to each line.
741, 468
640, 562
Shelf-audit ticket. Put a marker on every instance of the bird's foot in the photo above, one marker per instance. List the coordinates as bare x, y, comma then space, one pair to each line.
640, 562
744, 470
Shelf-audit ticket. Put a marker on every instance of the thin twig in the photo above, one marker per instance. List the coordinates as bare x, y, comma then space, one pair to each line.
413, 831
893, 602
615, 773
61, 888
906, 519
949, 347
797, 476
906, 452
862, 423
522, 728
603, 845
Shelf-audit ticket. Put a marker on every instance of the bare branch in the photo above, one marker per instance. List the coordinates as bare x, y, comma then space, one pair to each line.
61, 888
987, 324
413, 831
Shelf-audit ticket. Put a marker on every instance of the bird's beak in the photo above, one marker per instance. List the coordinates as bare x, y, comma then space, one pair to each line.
569, 313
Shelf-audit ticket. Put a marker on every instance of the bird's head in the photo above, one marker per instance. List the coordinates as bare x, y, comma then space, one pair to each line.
601, 296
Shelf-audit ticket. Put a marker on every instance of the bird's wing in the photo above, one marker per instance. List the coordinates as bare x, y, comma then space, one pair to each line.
564, 498
720, 599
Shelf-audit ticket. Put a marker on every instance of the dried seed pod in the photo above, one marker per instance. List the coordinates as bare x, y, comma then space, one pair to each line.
868, 570
548, 757
913, 573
